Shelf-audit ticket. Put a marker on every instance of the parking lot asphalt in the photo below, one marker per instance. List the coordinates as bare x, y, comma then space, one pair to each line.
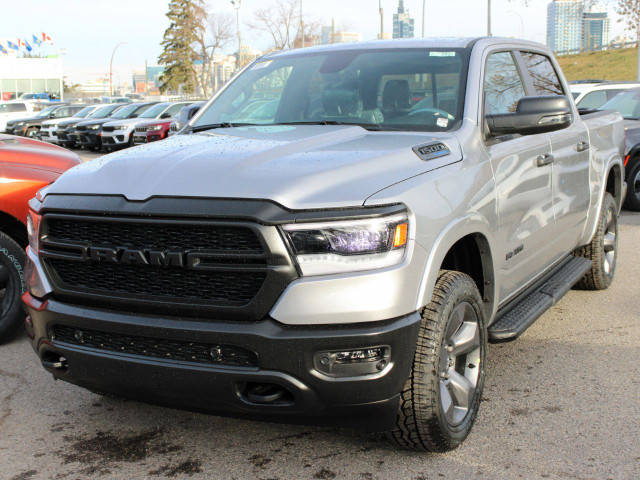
561, 402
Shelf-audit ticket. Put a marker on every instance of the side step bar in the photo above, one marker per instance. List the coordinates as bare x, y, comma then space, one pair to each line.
514, 319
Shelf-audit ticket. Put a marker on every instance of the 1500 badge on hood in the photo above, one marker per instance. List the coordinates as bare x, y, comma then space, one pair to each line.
430, 151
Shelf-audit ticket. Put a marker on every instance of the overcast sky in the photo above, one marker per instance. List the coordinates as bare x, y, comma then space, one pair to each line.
88, 31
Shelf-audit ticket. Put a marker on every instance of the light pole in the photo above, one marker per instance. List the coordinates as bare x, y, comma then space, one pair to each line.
488, 18
423, 5
111, 68
521, 22
381, 19
301, 27
237, 4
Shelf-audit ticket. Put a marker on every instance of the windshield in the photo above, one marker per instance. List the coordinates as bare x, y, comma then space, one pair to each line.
104, 112
45, 112
125, 112
84, 112
399, 89
628, 104
154, 111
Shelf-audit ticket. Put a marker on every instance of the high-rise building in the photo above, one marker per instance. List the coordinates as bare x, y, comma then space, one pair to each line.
564, 25
595, 30
402, 22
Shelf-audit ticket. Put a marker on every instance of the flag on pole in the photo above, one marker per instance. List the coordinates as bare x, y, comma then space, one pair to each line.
27, 46
46, 38
3, 50
21, 43
36, 40
12, 45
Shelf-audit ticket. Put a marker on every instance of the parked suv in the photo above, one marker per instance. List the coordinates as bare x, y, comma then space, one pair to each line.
87, 133
13, 110
186, 114
118, 131
48, 128
345, 261
29, 127
66, 131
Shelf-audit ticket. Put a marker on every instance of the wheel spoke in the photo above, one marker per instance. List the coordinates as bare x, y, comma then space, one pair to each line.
609, 241
455, 322
445, 399
4, 275
461, 390
466, 339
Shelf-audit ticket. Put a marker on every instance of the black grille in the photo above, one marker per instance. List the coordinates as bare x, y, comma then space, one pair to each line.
61, 134
108, 129
141, 129
213, 354
158, 236
177, 283
81, 127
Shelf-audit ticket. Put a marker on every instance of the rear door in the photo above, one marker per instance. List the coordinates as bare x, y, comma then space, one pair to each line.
570, 150
523, 188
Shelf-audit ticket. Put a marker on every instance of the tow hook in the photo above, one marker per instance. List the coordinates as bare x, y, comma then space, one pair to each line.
54, 361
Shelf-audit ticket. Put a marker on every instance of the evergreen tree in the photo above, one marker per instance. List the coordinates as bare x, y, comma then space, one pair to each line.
179, 54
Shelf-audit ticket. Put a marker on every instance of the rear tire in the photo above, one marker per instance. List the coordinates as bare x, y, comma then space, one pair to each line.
603, 249
632, 199
440, 400
12, 259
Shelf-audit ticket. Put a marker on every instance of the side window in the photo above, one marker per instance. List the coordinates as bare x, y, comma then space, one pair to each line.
544, 77
18, 107
593, 100
175, 109
62, 112
503, 86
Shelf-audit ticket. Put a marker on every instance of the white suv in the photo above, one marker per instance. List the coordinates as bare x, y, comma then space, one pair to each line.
12, 110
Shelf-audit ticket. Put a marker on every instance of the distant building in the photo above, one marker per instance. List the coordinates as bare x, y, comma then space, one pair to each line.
328, 35
595, 30
402, 23
564, 25
223, 68
149, 81
30, 75
247, 55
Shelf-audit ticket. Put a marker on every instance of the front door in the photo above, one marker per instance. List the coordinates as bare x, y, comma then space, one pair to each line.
523, 183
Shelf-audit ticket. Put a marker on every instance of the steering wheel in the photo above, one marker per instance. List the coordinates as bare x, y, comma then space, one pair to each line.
436, 111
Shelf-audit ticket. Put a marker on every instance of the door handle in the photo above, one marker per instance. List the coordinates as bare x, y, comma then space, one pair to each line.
582, 146
545, 159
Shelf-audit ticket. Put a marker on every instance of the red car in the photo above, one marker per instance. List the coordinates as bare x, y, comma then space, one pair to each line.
26, 166
152, 131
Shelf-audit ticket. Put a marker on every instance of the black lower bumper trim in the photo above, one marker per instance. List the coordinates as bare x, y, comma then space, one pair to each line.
286, 366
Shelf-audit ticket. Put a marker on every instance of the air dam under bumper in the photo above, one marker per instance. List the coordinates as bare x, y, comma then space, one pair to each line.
285, 357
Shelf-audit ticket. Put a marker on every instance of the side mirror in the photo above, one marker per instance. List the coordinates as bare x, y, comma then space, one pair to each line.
52, 115
533, 115
165, 115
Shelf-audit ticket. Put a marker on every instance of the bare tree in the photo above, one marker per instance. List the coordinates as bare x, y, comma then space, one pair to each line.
217, 32
281, 21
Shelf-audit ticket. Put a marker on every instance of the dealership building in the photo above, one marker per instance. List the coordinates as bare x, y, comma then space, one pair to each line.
30, 75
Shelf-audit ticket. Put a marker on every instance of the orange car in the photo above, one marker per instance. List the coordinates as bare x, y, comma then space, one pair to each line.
25, 167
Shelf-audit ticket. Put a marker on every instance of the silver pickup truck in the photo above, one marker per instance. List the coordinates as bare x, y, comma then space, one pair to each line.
335, 238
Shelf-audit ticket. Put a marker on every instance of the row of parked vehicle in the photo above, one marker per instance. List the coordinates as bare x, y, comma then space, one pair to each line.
105, 127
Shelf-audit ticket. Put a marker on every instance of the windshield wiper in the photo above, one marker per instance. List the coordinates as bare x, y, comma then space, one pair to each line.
211, 126
367, 126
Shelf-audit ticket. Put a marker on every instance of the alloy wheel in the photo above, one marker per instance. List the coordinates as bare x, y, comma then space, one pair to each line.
459, 363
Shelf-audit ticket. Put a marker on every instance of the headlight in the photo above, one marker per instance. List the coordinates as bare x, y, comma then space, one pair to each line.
121, 127
19, 124
155, 128
93, 127
350, 245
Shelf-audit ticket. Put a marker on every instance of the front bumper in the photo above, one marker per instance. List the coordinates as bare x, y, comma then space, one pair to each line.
87, 138
148, 137
285, 359
116, 138
12, 130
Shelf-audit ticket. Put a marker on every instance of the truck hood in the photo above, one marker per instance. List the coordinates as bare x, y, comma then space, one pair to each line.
127, 121
299, 167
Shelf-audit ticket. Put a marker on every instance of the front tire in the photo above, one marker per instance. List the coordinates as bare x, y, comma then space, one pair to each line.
632, 199
603, 249
12, 259
441, 398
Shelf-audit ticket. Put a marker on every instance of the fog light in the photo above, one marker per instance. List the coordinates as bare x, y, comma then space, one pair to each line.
349, 363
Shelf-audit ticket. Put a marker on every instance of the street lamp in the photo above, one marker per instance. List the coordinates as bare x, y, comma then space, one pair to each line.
488, 18
521, 22
237, 4
423, 5
381, 19
111, 68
